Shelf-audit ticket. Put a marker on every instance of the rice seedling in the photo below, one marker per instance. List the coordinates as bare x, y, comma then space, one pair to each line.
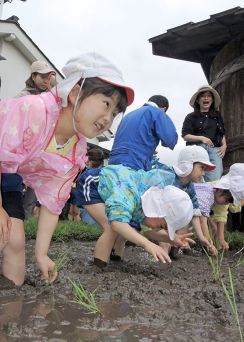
85, 298
215, 263
238, 252
230, 296
60, 261
240, 261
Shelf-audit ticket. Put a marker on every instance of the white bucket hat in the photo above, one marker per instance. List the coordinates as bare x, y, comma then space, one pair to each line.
90, 65
203, 89
171, 203
233, 181
189, 155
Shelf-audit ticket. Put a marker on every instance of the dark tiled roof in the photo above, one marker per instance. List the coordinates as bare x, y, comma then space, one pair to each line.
200, 42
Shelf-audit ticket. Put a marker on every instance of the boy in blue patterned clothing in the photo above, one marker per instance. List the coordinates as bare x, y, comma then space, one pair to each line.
139, 196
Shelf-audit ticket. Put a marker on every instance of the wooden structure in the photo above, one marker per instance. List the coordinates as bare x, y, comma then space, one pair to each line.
218, 45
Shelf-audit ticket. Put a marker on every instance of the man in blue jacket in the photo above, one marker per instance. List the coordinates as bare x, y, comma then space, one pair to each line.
140, 132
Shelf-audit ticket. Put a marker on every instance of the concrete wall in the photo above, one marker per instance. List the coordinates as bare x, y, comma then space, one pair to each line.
20, 51
14, 70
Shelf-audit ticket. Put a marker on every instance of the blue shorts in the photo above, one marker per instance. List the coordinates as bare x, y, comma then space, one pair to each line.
13, 204
86, 191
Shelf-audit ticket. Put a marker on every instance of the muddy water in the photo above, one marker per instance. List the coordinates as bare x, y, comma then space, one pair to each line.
140, 300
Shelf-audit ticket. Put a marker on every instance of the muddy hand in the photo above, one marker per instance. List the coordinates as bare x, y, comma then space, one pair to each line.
5, 226
157, 252
48, 269
224, 245
204, 241
212, 250
183, 240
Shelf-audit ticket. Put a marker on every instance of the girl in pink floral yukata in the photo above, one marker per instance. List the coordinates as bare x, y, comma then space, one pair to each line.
43, 138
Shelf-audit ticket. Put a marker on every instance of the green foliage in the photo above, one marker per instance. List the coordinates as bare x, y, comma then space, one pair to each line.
84, 298
235, 239
66, 230
240, 261
230, 296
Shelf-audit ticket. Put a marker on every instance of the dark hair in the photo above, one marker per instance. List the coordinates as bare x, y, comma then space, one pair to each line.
94, 85
160, 100
228, 196
212, 111
31, 84
96, 157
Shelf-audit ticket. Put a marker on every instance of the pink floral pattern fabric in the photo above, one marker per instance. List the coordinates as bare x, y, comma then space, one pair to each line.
27, 125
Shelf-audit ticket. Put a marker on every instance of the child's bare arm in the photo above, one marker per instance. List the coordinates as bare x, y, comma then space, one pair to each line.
198, 229
160, 235
221, 235
180, 240
204, 226
203, 234
46, 225
130, 234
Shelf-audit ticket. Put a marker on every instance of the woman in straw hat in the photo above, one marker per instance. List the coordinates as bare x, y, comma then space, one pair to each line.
205, 127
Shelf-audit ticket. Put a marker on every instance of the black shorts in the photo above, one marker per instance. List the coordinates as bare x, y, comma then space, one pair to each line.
13, 204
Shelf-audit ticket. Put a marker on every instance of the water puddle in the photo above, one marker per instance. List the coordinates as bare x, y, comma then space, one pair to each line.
41, 319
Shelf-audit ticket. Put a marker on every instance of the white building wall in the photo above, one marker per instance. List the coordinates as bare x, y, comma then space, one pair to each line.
14, 70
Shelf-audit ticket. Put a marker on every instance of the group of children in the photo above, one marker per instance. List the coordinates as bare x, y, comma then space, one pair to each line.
43, 138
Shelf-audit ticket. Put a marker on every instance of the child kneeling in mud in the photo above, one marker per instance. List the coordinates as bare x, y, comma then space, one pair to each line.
43, 138
191, 165
209, 194
139, 196
219, 196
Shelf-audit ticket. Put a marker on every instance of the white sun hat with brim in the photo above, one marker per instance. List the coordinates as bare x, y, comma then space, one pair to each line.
88, 65
203, 89
171, 203
234, 182
188, 156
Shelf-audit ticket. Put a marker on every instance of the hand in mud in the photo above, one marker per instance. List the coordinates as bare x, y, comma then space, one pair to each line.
212, 250
183, 240
224, 245
157, 252
205, 242
48, 269
5, 226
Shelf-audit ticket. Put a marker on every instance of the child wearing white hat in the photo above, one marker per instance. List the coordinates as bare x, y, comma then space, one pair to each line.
209, 194
191, 165
139, 200
234, 182
43, 138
